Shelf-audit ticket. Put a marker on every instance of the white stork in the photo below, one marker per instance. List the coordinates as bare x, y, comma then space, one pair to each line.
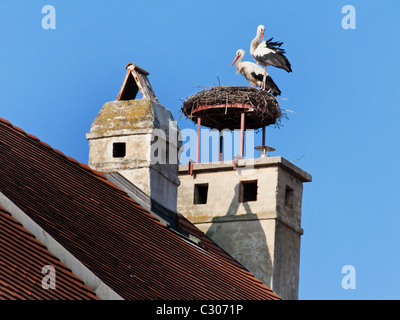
268, 53
255, 74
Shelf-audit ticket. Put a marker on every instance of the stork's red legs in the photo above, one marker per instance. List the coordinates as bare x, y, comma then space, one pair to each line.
265, 77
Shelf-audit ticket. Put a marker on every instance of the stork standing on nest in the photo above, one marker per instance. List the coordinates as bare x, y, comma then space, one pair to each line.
268, 53
255, 74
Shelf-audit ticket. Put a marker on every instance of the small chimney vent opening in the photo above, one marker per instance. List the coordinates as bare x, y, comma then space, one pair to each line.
200, 193
119, 149
248, 191
289, 195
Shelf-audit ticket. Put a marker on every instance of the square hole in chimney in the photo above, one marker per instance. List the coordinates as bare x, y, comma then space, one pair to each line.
200, 193
248, 191
289, 196
119, 149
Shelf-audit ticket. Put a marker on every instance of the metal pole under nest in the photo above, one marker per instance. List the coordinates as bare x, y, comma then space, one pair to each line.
198, 139
242, 124
221, 141
263, 141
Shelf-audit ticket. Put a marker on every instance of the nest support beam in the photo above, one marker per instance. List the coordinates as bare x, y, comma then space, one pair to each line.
228, 116
220, 147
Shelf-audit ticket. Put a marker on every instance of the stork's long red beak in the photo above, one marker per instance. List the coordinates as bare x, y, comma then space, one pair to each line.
262, 36
237, 57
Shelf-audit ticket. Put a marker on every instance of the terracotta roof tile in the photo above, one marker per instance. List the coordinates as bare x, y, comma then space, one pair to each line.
22, 258
111, 234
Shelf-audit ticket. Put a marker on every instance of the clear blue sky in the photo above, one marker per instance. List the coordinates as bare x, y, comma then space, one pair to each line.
343, 90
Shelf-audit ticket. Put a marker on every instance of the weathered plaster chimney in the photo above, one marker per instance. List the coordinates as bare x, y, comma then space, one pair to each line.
138, 139
253, 212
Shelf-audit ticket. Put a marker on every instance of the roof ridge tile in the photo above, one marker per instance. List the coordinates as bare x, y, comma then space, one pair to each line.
5, 121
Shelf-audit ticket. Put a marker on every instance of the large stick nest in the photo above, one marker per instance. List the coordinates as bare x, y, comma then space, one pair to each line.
261, 107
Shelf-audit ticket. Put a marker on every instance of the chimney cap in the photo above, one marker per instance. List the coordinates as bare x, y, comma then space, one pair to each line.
132, 66
135, 80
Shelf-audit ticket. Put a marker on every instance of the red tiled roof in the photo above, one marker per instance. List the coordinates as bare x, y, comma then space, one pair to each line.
22, 258
111, 234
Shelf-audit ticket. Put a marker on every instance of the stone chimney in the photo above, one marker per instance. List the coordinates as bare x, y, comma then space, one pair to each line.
253, 212
138, 139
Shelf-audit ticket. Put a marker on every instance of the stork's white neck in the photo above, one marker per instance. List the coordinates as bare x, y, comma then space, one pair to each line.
239, 63
254, 43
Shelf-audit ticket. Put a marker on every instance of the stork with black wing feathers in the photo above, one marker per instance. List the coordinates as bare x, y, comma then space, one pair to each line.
268, 53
